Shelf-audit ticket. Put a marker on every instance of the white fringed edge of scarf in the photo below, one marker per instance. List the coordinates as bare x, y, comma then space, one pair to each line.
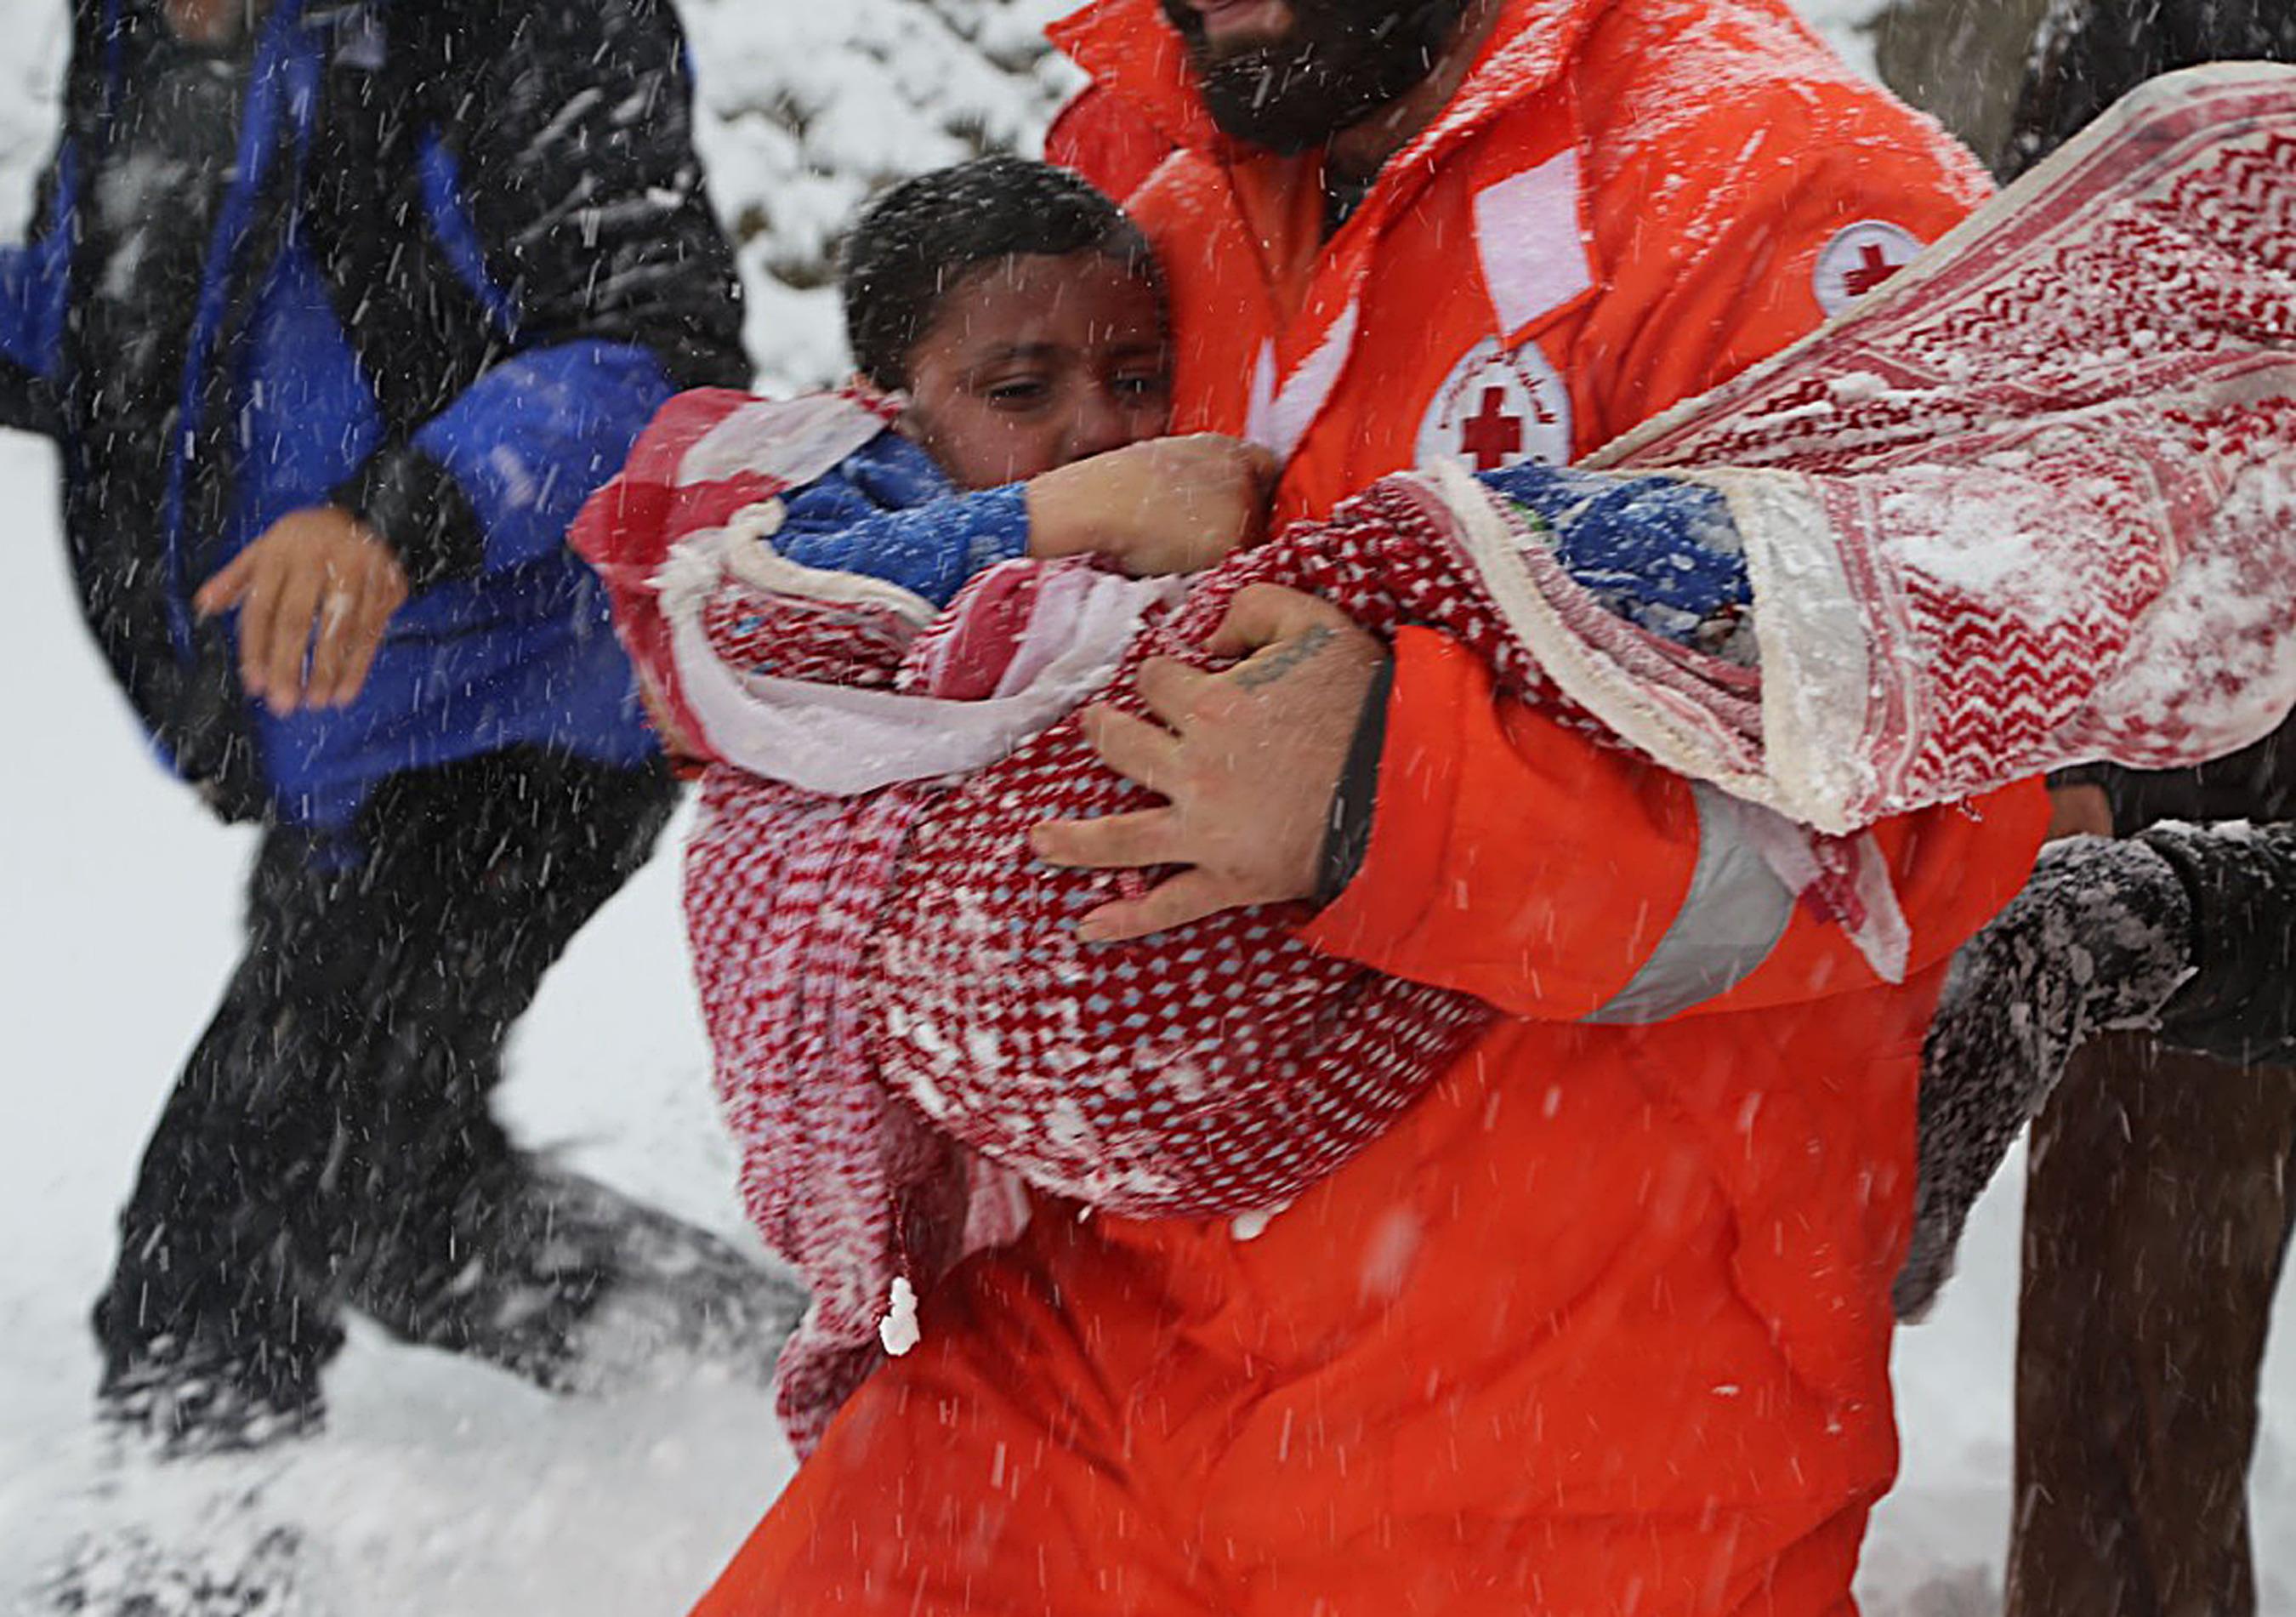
841, 741
1810, 771
1816, 682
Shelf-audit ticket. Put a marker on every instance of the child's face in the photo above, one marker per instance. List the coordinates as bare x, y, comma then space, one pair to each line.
1036, 361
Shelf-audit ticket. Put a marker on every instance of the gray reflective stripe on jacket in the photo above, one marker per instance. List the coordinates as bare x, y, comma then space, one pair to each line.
1730, 920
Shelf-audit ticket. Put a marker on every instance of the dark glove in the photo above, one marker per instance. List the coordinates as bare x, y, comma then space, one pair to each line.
2241, 1004
2099, 938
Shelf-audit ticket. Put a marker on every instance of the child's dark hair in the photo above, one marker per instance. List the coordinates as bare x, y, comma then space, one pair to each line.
918, 240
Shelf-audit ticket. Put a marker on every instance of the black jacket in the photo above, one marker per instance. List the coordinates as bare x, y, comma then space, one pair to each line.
469, 241
2239, 1005
2091, 52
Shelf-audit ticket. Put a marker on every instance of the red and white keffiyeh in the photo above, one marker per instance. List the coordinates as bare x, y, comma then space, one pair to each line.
2032, 502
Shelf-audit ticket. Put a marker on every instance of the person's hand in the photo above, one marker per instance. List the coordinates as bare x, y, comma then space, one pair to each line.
315, 591
1164, 506
1248, 760
2082, 809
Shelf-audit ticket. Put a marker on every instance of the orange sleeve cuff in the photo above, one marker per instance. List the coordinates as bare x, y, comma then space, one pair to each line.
1509, 858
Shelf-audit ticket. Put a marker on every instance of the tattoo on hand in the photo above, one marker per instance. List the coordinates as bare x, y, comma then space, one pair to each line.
1253, 675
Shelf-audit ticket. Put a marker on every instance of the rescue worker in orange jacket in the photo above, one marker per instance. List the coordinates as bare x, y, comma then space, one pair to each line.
1603, 1325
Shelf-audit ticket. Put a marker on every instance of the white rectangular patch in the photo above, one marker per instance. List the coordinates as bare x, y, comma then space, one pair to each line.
1527, 235
1279, 417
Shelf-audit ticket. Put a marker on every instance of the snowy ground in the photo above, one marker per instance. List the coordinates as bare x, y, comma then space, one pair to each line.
449, 1489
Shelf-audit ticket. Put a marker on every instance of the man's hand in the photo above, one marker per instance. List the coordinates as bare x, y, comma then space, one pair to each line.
1247, 759
1165, 506
317, 587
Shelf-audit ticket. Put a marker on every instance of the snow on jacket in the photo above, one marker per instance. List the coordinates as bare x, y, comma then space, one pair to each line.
1123, 1080
455, 257
2188, 929
2240, 1004
1602, 1322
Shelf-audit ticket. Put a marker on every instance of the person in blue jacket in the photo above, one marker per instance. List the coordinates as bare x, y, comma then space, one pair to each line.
336, 312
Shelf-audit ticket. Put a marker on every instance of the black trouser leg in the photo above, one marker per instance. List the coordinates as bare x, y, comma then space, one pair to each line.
330, 1131
2157, 1217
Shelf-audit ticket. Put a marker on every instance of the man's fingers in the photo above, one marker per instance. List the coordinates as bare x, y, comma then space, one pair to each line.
377, 605
292, 622
258, 606
351, 629
359, 658
381, 593
227, 590
342, 620
314, 593
1172, 691
1114, 841
1261, 614
1190, 896
1146, 754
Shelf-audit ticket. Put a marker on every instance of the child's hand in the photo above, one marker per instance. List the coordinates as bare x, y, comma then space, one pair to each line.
1165, 506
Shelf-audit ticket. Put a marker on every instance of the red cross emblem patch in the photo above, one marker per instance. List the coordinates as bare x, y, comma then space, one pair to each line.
1859, 258
1497, 408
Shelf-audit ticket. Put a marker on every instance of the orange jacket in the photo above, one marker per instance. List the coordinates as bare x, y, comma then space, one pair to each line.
1104, 137
1603, 1325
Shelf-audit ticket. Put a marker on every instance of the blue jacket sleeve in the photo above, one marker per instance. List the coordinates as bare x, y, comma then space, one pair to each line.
1662, 552
494, 479
868, 518
33, 279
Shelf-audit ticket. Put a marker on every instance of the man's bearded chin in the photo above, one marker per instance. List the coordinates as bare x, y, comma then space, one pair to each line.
1342, 61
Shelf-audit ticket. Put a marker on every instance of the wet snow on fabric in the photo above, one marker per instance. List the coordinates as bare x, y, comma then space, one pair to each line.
450, 1487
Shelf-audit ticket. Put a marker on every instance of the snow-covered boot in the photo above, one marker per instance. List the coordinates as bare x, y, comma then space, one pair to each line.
201, 1397
205, 1538
576, 1287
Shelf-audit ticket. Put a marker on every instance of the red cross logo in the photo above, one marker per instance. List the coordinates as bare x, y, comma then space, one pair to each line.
1873, 268
1493, 435
1860, 258
1495, 409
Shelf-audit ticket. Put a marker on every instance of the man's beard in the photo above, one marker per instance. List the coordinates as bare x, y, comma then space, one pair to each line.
1342, 61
